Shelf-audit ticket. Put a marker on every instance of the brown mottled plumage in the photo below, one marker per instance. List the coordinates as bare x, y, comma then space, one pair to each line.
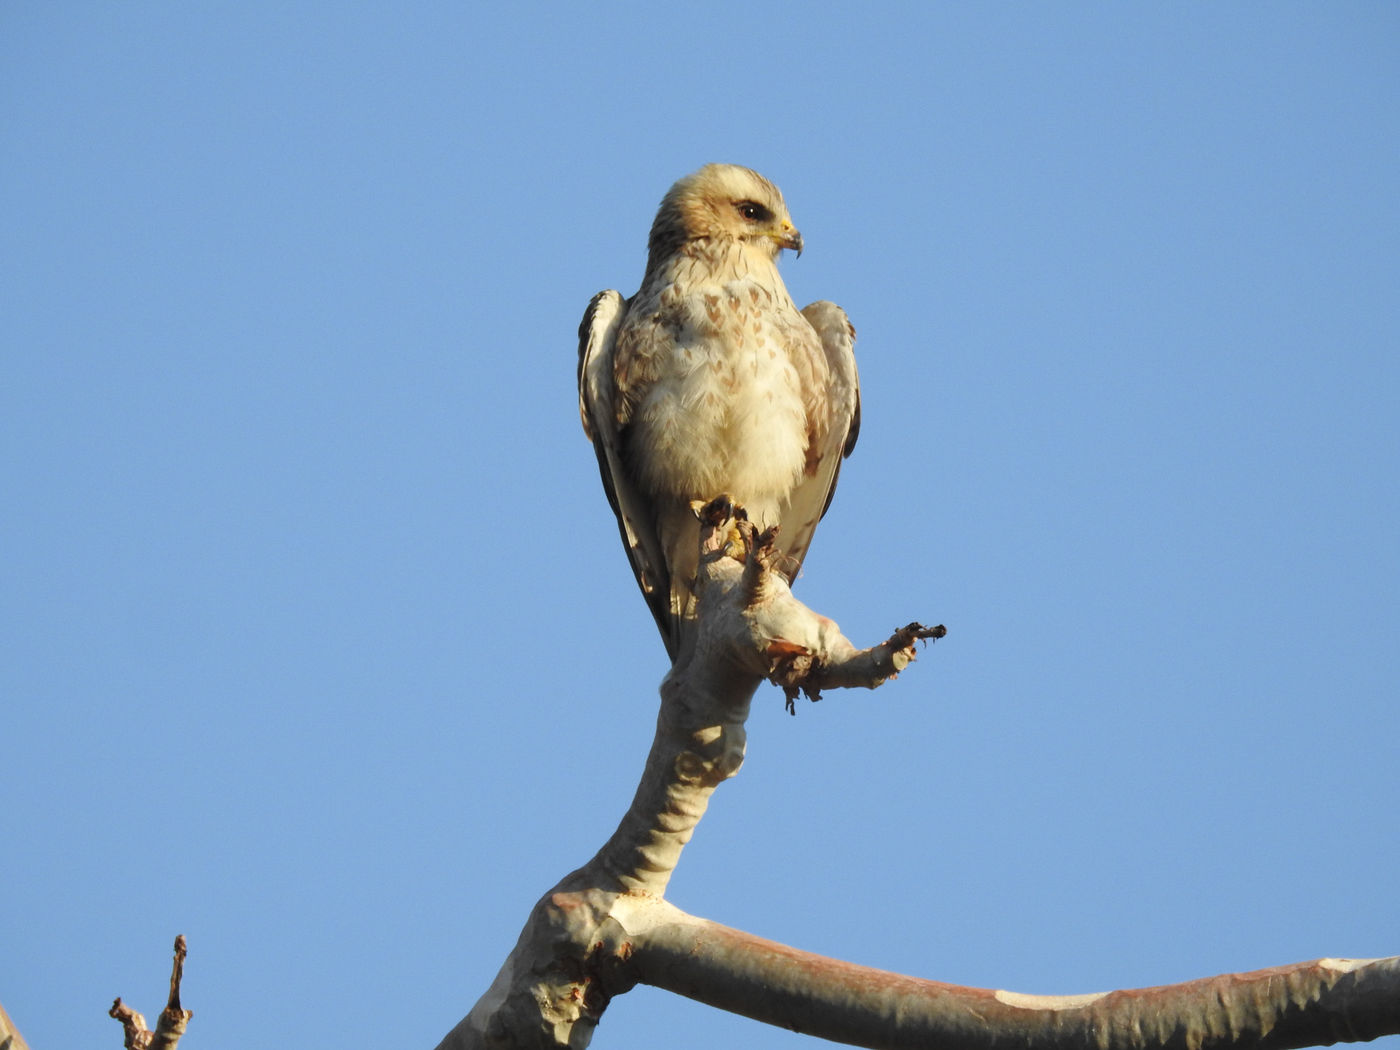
709, 380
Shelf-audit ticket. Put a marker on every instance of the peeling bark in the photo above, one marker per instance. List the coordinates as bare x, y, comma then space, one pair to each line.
607, 926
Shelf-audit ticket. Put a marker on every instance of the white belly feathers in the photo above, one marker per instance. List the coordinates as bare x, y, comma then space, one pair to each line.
725, 411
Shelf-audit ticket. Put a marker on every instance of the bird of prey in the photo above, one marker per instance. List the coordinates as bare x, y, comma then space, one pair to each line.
710, 381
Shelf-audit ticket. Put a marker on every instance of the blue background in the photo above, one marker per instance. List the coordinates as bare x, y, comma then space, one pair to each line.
318, 644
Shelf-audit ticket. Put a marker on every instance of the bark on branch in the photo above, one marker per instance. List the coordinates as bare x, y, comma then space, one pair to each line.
607, 926
1306, 1004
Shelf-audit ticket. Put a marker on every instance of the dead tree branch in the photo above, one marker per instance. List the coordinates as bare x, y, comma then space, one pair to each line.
170, 1026
606, 927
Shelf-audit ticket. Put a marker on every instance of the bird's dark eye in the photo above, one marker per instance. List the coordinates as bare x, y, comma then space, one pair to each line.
753, 211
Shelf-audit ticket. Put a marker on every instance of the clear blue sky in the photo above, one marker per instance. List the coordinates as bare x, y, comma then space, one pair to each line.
319, 647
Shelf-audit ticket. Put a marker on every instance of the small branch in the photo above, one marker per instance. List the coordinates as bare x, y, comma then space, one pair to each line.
750, 619
177, 974
799, 670
173, 1019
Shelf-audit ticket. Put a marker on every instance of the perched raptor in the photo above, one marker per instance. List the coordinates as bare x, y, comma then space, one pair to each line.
709, 381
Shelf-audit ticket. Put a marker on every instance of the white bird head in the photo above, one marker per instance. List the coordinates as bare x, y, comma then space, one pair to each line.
723, 203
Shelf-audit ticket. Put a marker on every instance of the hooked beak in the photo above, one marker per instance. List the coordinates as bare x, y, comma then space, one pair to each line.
788, 237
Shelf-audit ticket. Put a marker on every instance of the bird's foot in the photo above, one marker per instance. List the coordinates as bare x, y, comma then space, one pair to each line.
725, 529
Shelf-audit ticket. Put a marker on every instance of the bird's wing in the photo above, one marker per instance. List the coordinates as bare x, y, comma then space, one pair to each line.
601, 413
835, 424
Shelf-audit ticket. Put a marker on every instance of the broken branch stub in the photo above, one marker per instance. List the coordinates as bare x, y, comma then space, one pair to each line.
749, 617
